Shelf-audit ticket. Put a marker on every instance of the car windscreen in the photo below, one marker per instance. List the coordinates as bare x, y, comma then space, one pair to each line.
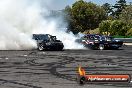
91, 37
102, 38
94, 37
108, 38
40, 37
53, 38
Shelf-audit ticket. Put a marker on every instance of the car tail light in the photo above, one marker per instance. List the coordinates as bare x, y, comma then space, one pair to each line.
91, 42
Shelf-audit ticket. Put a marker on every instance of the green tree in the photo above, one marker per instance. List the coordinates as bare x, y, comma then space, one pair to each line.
85, 16
68, 18
129, 32
115, 27
108, 8
118, 7
95, 31
126, 15
118, 28
104, 27
79, 16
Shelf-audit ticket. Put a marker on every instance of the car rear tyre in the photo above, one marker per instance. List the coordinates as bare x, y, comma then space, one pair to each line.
40, 47
101, 46
60, 49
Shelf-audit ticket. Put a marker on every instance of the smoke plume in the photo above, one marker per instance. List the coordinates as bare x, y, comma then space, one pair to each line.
19, 19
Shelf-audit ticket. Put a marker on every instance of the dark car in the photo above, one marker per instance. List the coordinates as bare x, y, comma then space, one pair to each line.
94, 41
47, 42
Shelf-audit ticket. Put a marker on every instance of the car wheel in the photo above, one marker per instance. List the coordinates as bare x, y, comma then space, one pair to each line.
40, 47
61, 49
101, 46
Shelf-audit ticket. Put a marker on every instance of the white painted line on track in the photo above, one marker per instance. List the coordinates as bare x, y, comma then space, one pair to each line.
25, 55
6, 58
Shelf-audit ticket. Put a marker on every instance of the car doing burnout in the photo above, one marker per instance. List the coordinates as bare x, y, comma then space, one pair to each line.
94, 41
47, 42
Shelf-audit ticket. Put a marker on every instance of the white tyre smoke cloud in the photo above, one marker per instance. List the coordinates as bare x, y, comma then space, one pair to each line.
19, 19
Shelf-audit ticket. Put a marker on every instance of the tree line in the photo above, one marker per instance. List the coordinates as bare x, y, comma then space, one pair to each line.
88, 17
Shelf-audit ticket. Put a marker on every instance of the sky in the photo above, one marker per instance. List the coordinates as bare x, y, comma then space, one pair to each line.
60, 4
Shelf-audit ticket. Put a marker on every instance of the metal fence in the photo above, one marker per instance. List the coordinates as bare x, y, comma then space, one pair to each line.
125, 40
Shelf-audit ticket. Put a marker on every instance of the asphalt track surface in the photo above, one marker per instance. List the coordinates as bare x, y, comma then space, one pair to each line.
58, 69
